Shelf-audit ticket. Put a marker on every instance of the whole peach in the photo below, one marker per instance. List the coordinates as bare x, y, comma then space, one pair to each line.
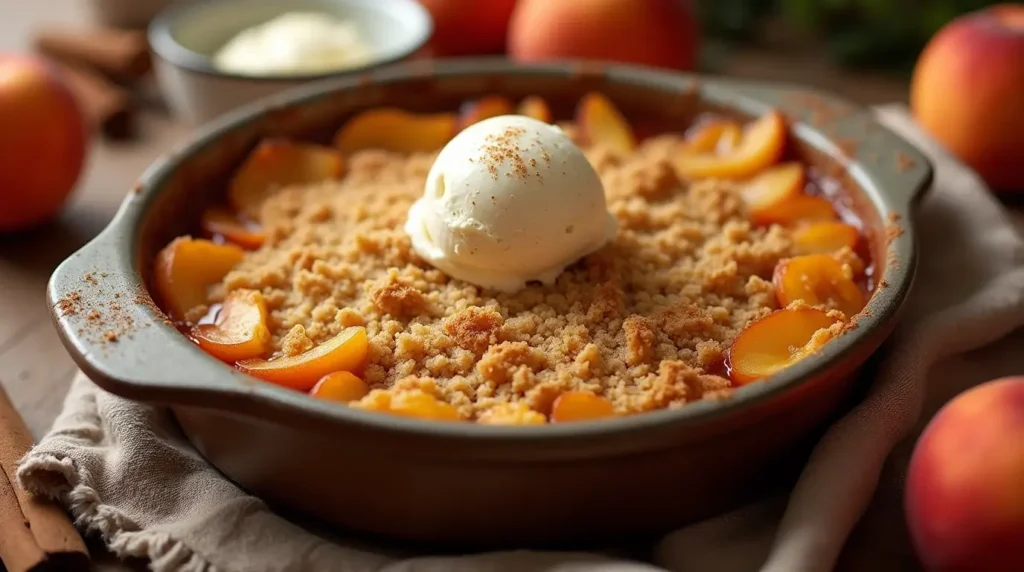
661, 33
468, 27
965, 483
968, 92
43, 142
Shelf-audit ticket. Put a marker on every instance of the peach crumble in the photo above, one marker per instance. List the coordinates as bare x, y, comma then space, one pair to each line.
722, 271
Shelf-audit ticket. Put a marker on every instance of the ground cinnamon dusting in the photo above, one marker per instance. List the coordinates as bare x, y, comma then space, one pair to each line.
502, 148
893, 230
102, 318
645, 321
70, 304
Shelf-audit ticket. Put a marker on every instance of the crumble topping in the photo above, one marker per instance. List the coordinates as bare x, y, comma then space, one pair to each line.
644, 322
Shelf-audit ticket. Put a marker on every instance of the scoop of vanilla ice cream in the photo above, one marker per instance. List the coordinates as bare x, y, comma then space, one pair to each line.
509, 200
295, 43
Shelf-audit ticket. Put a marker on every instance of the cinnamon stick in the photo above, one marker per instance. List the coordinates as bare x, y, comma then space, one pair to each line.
107, 106
35, 533
123, 55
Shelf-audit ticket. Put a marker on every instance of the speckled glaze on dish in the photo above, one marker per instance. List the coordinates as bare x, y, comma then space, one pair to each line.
468, 483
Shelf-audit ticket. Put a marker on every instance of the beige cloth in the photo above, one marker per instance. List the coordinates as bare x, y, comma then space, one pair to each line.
124, 471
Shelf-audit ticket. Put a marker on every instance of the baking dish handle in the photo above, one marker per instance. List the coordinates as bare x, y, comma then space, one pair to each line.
120, 339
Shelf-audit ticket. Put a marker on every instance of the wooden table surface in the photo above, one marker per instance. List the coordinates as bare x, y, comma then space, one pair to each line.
34, 368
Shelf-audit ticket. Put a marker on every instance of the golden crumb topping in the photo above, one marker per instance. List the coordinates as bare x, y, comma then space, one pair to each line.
644, 322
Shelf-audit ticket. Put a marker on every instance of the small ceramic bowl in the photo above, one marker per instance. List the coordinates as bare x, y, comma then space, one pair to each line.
185, 37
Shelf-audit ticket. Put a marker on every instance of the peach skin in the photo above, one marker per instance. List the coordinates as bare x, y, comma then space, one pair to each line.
660, 33
964, 495
43, 142
469, 27
968, 92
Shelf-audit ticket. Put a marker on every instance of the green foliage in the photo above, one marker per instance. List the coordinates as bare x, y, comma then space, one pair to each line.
862, 33
733, 20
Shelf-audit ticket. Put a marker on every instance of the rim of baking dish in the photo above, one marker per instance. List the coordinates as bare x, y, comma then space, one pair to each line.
893, 190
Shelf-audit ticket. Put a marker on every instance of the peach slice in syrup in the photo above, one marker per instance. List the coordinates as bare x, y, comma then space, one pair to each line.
344, 352
601, 122
580, 406
536, 108
796, 210
218, 221
341, 386
715, 136
825, 237
484, 108
760, 147
240, 329
774, 342
397, 130
767, 191
276, 163
186, 267
818, 280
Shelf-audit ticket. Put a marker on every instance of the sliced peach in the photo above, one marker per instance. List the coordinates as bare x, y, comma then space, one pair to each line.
391, 129
484, 108
602, 122
771, 188
818, 280
217, 221
799, 209
580, 406
825, 237
240, 329
342, 386
422, 405
186, 267
343, 352
536, 108
760, 147
715, 136
774, 342
276, 163
517, 413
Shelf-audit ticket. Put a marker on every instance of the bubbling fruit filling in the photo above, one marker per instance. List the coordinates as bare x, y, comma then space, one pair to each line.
726, 265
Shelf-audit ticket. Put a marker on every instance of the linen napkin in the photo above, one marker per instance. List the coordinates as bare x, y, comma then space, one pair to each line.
124, 470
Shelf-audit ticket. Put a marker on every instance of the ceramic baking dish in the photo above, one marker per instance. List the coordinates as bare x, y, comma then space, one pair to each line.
467, 483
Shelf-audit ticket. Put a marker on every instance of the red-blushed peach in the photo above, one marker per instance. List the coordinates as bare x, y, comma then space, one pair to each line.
468, 27
968, 92
965, 483
661, 33
43, 142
